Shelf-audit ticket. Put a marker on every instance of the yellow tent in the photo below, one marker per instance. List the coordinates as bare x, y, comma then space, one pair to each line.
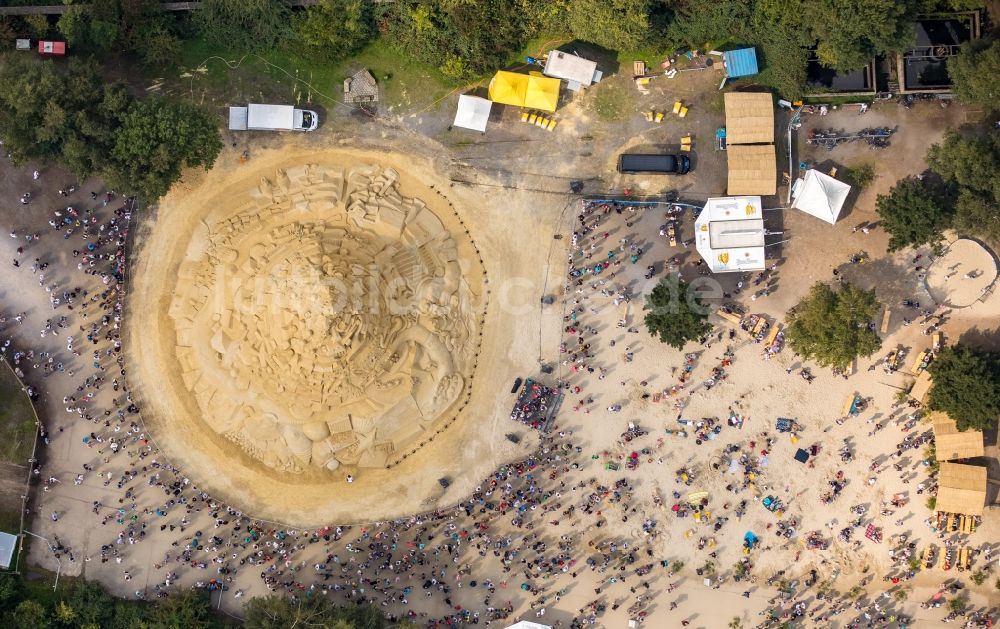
508, 88
522, 90
543, 93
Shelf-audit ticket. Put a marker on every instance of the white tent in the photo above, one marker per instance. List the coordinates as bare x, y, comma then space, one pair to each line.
473, 112
525, 624
8, 543
820, 195
729, 234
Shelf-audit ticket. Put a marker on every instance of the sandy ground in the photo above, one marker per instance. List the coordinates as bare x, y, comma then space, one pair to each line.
324, 498
516, 229
961, 276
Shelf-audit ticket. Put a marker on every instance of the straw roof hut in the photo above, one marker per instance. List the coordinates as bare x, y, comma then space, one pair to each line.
753, 170
961, 489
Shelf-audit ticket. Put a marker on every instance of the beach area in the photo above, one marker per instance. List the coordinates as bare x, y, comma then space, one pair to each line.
665, 490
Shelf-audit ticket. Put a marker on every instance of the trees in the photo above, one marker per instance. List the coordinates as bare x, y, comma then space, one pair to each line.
914, 213
833, 328
67, 113
337, 28
967, 386
776, 29
676, 313
613, 24
156, 140
972, 166
278, 612
139, 26
974, 70
255, 25
850, 33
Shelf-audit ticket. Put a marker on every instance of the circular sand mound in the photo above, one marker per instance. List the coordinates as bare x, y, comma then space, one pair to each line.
962, 274
302, 319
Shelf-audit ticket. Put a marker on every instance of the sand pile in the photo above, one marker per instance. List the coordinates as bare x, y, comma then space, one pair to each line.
304, 318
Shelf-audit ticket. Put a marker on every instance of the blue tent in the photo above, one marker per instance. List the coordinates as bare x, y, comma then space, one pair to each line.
742, 62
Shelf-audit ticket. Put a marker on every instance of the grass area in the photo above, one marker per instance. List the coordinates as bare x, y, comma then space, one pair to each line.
17, 420
837, 100
611, 101
289, 76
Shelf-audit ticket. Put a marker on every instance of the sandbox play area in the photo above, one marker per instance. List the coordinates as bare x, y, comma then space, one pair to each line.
306, 333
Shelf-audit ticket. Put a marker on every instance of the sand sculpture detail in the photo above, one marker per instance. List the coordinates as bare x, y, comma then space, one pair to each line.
326, 321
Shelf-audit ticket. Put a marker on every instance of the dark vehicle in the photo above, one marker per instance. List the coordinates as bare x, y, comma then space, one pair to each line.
634, 163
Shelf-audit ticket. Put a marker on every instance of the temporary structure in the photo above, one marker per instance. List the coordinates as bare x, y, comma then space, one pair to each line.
749, 118
950, 444
525, 624
752, 169
8, 543
820, 195
729, 234
961, 489
473, 112
576, 70
523, 90
742, 62
542, 93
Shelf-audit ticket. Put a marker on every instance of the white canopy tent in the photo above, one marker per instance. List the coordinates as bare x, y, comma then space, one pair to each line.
8, 543
526, 624
473, 112
729, 234
820, 195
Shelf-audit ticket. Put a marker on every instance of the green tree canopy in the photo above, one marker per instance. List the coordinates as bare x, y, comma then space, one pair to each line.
972, 165
966, 385
914, 213
138, 26
613, 24
833, 328
337, 28
850, 33
676, 313
157, 139
774, 26
254, 25
279, 612
974, 72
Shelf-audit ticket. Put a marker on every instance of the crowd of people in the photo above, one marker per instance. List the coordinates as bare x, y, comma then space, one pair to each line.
526, 538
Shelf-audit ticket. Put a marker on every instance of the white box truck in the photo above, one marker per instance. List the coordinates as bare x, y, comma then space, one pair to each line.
272, 118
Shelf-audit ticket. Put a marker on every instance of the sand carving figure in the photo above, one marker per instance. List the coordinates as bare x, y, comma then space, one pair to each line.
327, 321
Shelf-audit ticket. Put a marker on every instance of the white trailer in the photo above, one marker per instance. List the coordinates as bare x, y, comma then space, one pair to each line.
255, 117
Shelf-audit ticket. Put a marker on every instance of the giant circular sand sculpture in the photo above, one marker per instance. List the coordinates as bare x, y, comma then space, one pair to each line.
305, 322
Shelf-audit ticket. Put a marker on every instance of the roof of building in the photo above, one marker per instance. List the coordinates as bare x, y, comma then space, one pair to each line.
729, 234
742, 62
749, 118
753, 170
950, 444
573, 68
961, 489
361, 87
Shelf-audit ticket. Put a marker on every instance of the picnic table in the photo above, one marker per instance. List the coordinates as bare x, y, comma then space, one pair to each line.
773, 334
733, 318
920, 362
